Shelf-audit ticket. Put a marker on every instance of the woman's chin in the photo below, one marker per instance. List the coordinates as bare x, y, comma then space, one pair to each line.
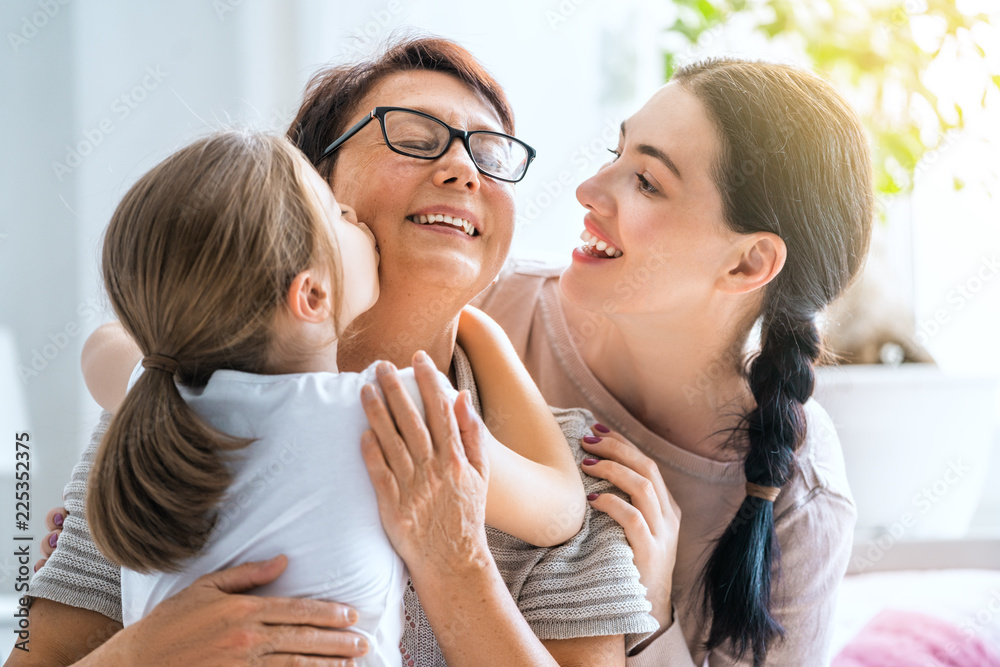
436, 273
582, 290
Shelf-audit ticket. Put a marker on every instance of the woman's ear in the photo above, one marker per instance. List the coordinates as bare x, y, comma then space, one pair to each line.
309, 297
758, 259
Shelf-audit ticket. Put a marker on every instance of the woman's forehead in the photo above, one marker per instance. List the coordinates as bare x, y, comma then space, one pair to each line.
674, 120
439, 94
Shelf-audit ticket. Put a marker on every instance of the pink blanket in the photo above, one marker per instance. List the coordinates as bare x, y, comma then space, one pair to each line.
907, 639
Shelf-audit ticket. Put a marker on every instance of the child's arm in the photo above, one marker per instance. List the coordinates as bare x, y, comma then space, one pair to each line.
108, 359
535, 492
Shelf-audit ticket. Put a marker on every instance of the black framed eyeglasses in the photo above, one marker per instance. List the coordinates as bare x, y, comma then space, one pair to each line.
416, 134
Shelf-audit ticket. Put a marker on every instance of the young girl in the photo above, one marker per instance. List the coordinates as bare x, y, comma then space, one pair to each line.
236, 271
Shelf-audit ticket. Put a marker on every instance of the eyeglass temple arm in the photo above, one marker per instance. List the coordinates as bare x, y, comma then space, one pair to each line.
346, 135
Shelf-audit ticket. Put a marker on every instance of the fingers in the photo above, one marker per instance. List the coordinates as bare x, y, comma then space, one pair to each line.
628, 516
244, 577
437, 406
54, 519
54, 522
284, 660
383, 479
472, 430
409, 422
307, 612
613, 446
40, 563
49, 542
640, 490
299, 639
393, 449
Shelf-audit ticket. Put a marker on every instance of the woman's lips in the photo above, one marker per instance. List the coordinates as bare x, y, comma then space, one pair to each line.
457, 218
445, 228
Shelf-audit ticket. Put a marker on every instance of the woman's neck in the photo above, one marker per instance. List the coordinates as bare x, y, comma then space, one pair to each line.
395, 328
679, 378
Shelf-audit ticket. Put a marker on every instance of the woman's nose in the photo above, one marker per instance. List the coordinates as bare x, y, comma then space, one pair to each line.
456, 168
595, 193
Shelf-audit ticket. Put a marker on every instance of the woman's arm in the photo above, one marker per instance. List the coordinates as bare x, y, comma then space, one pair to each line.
431, 485
535, 492
109, 356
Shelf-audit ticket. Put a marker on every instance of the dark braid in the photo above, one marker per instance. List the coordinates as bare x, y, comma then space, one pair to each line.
781, 378
795, 162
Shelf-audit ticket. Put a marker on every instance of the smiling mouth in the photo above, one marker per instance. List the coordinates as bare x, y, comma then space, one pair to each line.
442, 220
596, 247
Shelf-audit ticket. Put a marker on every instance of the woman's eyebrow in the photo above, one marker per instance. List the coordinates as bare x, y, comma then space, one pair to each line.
654, 152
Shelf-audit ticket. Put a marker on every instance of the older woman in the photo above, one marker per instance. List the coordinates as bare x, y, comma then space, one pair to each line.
580, 598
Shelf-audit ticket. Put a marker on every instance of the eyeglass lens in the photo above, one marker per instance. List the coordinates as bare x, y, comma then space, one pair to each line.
495, 154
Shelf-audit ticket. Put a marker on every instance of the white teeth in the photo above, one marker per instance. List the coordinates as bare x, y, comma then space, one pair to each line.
460, 223
595, 245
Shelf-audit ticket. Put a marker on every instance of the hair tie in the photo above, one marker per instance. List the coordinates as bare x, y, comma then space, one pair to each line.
160, 362
769, 493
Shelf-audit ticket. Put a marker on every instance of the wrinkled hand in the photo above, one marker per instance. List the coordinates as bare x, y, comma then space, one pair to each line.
208, 624
221, 627
430, 478
651, 521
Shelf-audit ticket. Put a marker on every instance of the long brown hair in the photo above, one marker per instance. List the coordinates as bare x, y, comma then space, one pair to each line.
795, 162
198, 259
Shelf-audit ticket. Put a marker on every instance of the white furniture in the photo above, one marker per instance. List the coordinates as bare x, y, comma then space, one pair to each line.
917, 444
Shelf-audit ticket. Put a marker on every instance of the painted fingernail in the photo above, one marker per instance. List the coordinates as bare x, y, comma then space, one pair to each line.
58, 519
362, 644
423, 356
383, 368
591, 439
53, 538
592, 496
602, 428
589, 462
37, 565
352, 616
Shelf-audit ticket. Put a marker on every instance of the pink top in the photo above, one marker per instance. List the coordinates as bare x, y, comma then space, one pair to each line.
814, 515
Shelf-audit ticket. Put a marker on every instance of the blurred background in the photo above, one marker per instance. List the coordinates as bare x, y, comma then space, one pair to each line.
96, 93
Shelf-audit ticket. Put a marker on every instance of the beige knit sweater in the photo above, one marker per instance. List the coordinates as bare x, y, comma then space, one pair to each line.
814, 515
587, 586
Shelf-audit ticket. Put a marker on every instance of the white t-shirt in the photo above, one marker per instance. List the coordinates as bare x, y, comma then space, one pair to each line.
301, 489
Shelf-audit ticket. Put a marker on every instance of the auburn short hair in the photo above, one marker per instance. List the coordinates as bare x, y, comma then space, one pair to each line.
333, 94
